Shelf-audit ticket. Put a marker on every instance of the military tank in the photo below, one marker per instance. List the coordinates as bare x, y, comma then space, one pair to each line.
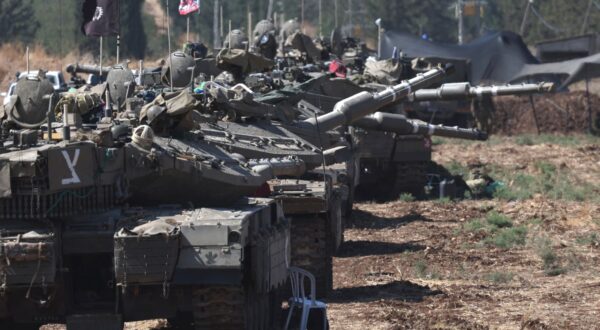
315, 201
401, 163
102, 225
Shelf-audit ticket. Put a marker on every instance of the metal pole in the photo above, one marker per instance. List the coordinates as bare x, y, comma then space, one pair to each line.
169, 42
350, 17
100, 58
118, 46
302, 15
141, 73
379, 35
321, 19
335, 11
459, 5
587, 17
270, 10
229, 36
187, 32
525, 17
535, 117
216, 25
478, 17
589, 105
221, 22
27, 58
249, 28
119, 33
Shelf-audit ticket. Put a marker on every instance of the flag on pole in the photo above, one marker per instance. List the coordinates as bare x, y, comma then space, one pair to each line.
188, 6
100, 18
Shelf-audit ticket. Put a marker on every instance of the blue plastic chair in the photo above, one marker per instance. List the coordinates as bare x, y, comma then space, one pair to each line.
300, 300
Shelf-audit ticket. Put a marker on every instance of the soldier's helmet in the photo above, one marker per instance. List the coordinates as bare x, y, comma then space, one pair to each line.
121, 84
31, 107
238, 40
182, 66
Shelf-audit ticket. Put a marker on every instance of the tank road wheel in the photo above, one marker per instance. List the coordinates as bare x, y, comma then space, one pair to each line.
312, 247
230, 308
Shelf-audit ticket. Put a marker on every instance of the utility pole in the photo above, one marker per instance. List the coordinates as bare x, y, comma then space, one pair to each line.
216, 35
478, 17
335, 12
350, 17
526, 17
460, 12
302, 16
270, 10
587, 17
320, 19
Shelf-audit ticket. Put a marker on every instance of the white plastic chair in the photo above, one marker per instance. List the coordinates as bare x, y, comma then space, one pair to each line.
300, 300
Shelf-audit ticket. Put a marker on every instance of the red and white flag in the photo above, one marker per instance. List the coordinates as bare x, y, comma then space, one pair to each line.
187, 7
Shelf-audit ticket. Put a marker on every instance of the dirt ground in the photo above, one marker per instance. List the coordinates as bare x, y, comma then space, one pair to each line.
412, 265
424, 265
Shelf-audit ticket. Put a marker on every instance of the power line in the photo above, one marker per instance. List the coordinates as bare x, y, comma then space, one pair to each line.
551, 27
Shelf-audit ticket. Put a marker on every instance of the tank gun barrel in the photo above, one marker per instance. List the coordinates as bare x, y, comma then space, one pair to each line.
274, 167
87, 68
359, 105
462, 91
399, 124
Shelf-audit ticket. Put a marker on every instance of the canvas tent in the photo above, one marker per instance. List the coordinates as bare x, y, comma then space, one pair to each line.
564, 73
496, 57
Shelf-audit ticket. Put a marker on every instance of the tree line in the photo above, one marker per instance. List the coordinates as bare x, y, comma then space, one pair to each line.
56, 24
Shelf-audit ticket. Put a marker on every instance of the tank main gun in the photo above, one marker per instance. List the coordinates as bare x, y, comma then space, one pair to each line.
399, 124
348, 110
461, 91
87, 68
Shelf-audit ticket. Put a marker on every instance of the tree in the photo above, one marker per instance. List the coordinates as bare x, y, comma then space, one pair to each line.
17, 21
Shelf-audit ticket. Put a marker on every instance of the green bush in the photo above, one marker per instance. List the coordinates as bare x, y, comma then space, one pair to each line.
506, 238
407, 197
499, 230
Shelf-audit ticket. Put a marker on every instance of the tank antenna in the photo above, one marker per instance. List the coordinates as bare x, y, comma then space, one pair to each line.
27, 59
100, 58
169, 42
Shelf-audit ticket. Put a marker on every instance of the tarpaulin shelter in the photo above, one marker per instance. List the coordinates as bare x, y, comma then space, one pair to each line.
496, 57
564, 73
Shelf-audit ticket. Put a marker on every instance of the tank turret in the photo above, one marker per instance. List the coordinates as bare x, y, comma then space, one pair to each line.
236, 39
399, 124
180, 67
121, 84
461, 91
30, 105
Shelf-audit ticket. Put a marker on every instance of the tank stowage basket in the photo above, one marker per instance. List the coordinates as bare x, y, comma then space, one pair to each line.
27, 260
145, 259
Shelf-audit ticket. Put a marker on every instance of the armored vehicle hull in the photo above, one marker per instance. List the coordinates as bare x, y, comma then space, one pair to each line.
208, 263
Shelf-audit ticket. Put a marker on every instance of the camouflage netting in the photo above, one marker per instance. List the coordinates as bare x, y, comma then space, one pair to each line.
556, 113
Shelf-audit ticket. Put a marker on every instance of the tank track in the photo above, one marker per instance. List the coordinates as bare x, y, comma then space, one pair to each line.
233, 308
312, 249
